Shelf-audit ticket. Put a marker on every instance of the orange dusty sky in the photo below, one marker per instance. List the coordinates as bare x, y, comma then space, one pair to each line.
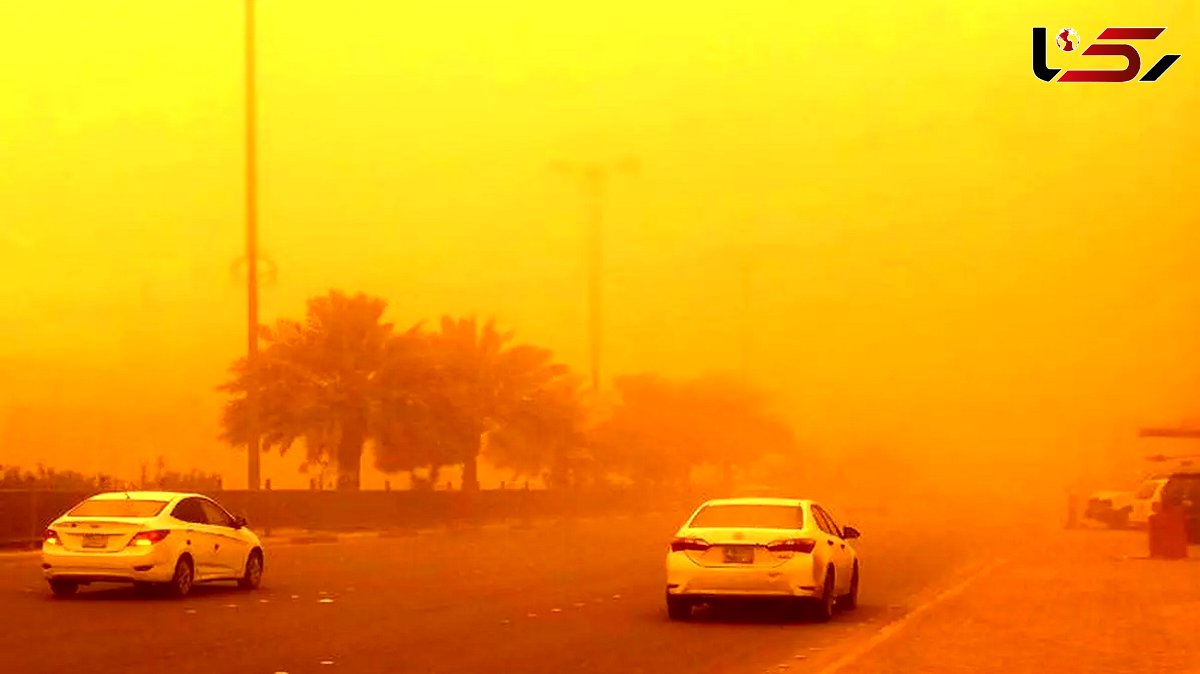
953, 260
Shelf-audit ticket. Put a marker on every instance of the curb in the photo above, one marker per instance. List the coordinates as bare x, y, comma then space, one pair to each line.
456, 529
304, 540
930, 600
451, 530
20, 545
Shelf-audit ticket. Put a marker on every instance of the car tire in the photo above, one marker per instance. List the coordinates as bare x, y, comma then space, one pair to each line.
679, 608
824, 609
850, 601
183, 580
252, 576
63, 588
1119, 519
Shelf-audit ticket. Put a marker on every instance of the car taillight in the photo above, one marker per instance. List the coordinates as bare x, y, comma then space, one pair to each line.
147, 538
684, 544
801, 545
50, 537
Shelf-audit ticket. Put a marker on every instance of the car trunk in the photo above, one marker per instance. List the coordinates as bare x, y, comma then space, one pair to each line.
741, 548
95, 534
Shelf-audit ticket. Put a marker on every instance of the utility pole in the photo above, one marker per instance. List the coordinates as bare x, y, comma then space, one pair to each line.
594, 178
745, 269
252, 388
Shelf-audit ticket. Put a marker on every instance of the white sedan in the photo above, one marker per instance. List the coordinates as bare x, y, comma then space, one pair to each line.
762, 548
151, 539
1147, 500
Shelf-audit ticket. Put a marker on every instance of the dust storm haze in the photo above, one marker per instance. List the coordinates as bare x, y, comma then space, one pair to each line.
941, 266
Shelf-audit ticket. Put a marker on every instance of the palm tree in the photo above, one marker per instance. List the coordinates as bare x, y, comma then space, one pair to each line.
329, 381
545, 432
649, 436
662, 429
483, 384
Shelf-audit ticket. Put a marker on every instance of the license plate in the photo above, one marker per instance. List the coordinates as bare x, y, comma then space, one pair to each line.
743, 554
95, 541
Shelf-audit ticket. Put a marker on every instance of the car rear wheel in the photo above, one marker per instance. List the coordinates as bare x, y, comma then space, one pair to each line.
63, 588
825, 606
252, 577
1120, 519
850, 601
183, 580
679, 608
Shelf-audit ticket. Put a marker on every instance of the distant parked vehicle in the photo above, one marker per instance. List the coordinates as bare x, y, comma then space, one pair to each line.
1112, 508
1183, 488
164, 539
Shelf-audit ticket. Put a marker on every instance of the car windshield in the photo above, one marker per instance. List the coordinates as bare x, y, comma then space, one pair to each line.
1146, 490
749, 517
117, 508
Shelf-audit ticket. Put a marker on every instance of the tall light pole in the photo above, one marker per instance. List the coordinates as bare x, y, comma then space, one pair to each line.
252, 403
594, 177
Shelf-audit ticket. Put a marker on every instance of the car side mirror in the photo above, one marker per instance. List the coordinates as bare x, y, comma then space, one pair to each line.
239, 522
850, 532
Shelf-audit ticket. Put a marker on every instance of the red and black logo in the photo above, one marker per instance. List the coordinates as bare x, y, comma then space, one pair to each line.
1111, 42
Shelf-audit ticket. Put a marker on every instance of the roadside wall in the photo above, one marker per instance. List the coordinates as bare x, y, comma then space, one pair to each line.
24, 514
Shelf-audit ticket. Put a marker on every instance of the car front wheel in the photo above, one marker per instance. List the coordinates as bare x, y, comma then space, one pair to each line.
850, 601
825, 605
252, 577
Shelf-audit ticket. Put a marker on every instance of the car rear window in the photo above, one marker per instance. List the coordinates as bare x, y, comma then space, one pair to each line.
117, 508
749, 517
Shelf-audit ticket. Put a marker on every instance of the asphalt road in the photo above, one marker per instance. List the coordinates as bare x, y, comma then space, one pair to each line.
581, 597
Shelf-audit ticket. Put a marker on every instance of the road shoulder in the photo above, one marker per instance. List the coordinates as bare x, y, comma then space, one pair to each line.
1082, 602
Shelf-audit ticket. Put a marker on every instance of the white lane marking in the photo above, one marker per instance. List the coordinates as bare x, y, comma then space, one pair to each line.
892, 629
